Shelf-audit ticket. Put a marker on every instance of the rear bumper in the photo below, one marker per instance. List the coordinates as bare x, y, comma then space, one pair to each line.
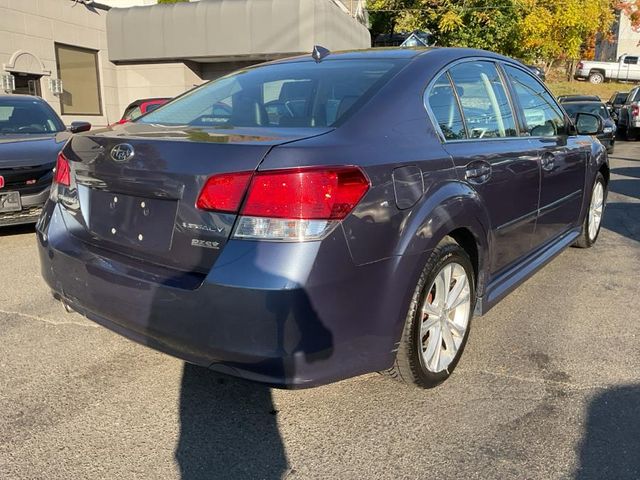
31, 209
289, 315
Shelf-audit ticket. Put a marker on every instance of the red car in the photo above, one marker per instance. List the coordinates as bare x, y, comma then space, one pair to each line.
140, 107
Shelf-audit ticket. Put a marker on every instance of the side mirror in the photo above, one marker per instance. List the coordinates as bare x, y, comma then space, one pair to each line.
588, 124
77, 127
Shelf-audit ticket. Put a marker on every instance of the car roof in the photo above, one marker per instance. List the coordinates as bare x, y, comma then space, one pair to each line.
585, 102
578, 98
140, 101
21, 98
396, 53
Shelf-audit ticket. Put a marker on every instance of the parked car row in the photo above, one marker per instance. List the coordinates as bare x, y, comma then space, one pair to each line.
31, 136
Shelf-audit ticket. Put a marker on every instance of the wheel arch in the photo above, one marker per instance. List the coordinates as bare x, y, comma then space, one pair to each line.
454, 210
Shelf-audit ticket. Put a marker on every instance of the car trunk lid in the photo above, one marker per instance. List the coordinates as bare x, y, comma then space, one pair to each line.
144, 204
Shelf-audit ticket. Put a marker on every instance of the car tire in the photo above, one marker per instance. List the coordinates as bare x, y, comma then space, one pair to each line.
596, 78
419, 359
597, 202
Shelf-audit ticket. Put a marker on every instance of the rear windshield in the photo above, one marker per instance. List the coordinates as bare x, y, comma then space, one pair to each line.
28, 117
301, 94
573, 109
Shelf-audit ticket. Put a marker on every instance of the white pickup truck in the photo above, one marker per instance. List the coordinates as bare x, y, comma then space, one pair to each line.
626, 68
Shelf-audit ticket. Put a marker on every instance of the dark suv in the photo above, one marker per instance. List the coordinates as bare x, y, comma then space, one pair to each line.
317, 218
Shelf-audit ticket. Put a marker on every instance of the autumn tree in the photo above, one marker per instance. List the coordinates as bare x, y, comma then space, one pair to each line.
553, 30
385, 14
486, 24
543, 30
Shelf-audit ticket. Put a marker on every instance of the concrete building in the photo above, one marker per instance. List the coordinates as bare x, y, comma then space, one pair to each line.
625, 40
89, 61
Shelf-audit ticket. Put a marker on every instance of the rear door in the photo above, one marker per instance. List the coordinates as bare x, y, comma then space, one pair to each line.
488, 153
562, 157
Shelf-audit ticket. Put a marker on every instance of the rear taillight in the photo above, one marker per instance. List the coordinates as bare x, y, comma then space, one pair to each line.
306, 193
635, 110
297, 204
580, 66
63, 171
223, 193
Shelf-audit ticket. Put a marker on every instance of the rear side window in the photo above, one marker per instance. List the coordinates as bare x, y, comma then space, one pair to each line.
542, 115
484, 101
300, 94
132, 113
631, 60
444, 106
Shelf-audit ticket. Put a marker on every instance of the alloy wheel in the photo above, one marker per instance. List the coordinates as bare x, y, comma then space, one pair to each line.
595, 210
445, 317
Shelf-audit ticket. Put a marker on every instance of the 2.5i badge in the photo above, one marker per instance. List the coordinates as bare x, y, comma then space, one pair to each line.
205, 244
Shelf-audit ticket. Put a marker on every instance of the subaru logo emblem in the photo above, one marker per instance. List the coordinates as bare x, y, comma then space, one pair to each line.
122, 152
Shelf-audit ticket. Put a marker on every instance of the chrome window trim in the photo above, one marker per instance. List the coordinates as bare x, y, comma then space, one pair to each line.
498, 62
563, 114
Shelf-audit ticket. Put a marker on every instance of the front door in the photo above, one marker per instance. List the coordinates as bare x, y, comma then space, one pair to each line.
27, 84
562, 158
493, 159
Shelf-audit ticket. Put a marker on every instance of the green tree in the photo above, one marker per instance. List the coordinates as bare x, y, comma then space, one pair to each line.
385, 14
488, 24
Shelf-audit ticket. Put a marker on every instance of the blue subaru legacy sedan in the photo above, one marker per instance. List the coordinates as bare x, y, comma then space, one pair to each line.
321, 217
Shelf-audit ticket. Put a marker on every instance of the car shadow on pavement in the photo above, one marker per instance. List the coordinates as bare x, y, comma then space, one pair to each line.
228, 429
623, 218
633, 172
17, 230
628, 187
611, 446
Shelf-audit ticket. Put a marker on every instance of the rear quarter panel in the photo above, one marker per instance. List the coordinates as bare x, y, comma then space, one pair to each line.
393, 130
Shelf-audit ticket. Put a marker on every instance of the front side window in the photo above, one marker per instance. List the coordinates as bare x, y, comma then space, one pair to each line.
484, 101
78, 70
444, 106
542, 116
301, 94
132, 113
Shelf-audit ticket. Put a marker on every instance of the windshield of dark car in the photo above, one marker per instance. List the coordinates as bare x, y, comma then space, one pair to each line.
28, 117
620, 97
299, 94
573, 109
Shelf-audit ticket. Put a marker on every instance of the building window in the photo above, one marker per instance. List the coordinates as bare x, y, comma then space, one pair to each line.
78, 70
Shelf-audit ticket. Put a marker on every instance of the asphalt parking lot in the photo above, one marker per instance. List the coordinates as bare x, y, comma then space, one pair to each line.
549, 387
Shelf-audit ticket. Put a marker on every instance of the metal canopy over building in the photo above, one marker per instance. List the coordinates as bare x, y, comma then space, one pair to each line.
226, 30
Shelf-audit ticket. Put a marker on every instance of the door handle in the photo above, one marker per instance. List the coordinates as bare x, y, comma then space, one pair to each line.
548, 161
478, 172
